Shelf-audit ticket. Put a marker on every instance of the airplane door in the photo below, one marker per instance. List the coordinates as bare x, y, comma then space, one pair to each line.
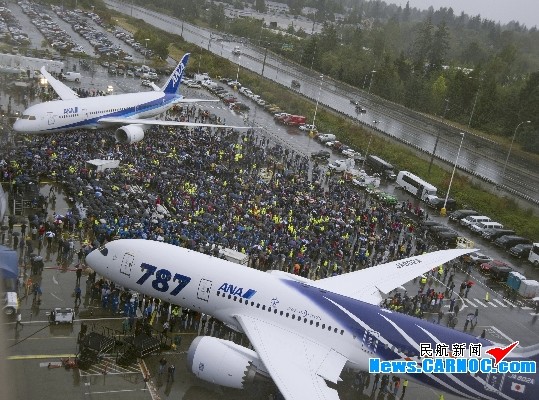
204, 288
51, 119
127, 263
494, 382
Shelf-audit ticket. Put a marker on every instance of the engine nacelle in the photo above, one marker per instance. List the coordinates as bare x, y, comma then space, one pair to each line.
130, 133
223, 362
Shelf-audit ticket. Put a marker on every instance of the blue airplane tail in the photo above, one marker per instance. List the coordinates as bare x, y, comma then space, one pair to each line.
173, 82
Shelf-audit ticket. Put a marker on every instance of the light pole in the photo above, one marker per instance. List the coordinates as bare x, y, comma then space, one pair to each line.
438, 137
443, 210
474, 102
368, 146
511, 146
145, 48
317, 100
372, 77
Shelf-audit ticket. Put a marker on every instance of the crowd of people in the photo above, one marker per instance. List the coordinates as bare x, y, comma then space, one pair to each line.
191, 188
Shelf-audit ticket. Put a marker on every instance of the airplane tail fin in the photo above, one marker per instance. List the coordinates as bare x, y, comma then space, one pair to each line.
173, 82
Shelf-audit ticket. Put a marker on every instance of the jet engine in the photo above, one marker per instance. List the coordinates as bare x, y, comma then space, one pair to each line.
224, 363
130, 133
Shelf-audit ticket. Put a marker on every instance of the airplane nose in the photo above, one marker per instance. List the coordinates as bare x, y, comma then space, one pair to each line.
95, 260
17, 126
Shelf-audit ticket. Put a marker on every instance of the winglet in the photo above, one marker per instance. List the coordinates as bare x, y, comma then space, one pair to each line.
173, 82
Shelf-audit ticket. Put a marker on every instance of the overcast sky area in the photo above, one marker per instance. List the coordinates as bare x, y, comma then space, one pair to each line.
524, 11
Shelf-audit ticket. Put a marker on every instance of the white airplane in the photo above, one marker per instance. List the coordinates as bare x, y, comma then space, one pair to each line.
134, 112
303, 332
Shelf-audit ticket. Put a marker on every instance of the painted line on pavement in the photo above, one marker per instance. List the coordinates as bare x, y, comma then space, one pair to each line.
500, 303
40, 356
115, 391
479, 302
502, 334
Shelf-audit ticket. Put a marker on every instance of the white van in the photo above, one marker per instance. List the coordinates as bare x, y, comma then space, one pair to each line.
474, 219
480, 227
72, 76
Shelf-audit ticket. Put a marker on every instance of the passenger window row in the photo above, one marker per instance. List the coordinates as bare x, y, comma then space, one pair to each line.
281, 313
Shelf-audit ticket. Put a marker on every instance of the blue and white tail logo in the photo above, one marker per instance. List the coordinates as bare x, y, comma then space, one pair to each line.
173, 82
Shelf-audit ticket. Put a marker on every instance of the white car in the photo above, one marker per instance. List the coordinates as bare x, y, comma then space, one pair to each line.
349, 153
338, 165
261, 102
329, 144
193, 85
308, 127
245, 91
234, 84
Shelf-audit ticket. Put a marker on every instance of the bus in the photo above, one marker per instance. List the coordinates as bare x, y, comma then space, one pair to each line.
534, 255
381, 166
415, 185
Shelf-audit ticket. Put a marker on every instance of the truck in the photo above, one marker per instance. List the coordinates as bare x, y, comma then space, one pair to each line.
200, 78
295, 120
381, 166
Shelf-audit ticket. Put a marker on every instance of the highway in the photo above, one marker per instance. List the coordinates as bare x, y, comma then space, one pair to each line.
480, 157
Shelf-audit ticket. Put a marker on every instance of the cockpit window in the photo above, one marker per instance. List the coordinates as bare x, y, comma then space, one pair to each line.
103, 250
32, 118
25, 116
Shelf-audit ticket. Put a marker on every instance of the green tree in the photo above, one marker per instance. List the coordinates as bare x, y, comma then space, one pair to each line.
439, 93
260, 6
217, 16
423, 44
439, 47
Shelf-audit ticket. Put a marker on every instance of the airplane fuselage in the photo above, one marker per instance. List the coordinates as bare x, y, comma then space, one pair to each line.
353, 328
65, 115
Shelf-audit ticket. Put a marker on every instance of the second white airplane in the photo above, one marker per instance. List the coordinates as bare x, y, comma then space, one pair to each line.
133, 112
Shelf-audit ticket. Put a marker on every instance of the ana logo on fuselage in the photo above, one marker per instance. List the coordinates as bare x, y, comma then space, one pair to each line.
71, 110
237, 291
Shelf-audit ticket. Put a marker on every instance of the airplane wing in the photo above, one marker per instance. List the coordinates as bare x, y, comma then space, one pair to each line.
366, 284
297, 365
143, 121
184, 100
63, 90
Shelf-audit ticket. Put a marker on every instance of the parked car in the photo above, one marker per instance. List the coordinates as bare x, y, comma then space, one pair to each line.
437, 203
240, 107
460, 214
508, 241
193, 85
521, 250
321, 155
487, 267
146, 82
296, 84
495, 233
476, 258
338, 165
308, 127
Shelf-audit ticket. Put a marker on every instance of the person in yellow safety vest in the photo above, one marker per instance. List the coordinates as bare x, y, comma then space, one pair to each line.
440, 271
423, 280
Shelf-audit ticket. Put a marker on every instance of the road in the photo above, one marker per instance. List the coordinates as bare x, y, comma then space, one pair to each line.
479, 157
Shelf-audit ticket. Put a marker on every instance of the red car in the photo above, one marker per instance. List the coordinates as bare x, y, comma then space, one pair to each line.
486, 267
